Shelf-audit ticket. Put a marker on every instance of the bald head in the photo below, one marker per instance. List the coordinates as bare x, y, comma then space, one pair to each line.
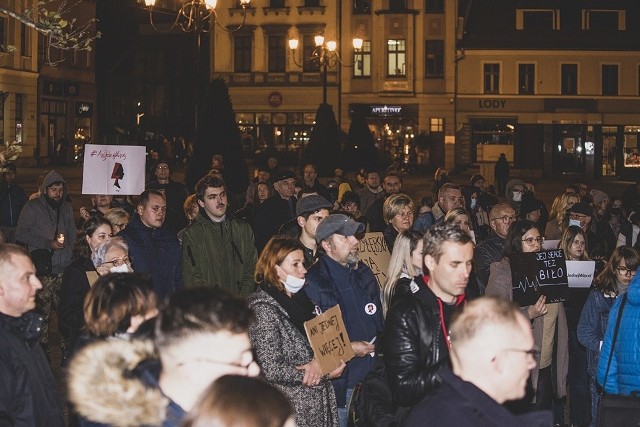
492, 347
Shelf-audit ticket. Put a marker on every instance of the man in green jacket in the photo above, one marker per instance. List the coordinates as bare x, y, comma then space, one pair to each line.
218, 250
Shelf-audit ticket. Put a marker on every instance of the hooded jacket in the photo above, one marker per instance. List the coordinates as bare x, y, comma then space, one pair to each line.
509, 196
110, 384
37, 224
624, 374
219, 254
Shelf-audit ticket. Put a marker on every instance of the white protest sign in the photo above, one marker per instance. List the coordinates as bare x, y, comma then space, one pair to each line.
375, 253
580, 273
549, 245
113, 169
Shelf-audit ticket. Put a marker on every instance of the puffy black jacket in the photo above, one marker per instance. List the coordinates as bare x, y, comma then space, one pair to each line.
414, 345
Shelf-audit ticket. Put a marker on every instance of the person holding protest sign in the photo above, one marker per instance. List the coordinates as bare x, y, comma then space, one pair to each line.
608, 285
574, 244
278, 335
405, 264
549, 320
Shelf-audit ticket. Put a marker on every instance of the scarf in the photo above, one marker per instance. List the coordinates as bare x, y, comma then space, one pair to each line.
299, 307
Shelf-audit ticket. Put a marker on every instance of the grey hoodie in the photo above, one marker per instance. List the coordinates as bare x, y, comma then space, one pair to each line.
37, 224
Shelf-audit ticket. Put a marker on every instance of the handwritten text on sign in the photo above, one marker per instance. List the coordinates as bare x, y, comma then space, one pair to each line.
113, 169
329, 339
375, 253
539, 273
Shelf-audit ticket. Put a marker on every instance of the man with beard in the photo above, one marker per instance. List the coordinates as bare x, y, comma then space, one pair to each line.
217, 249
46, 228
338, 278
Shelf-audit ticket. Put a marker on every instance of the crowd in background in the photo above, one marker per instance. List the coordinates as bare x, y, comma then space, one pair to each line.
224, 283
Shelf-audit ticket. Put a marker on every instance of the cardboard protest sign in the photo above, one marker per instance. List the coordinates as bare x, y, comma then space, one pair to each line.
113, 169
580, 273
539, 273
329, 339
375, 253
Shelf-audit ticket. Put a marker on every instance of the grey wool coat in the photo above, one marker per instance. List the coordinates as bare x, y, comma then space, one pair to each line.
280, 347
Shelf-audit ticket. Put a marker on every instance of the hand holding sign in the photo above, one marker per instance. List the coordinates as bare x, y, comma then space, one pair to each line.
329, 339
538, 273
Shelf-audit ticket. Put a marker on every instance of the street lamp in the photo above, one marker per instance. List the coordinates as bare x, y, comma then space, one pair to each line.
327, 55
196, 15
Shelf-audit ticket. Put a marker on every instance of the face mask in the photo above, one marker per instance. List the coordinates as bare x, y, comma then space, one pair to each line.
474, 202
124, 268
293, 284
517, 196
575, 222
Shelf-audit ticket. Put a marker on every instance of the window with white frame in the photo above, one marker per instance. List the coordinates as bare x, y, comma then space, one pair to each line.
491, 80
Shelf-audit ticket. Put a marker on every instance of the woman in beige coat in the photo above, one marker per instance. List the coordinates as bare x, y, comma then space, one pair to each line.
548, 321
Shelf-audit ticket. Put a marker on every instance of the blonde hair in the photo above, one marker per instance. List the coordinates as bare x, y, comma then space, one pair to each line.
400, 263
394, 205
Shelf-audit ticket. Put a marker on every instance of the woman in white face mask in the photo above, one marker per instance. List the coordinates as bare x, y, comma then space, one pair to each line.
278, 337
112, 257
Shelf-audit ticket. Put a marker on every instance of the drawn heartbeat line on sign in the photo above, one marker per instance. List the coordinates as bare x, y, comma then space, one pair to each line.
527, 283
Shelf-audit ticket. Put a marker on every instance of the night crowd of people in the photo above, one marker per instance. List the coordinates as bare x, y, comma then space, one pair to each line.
187, 307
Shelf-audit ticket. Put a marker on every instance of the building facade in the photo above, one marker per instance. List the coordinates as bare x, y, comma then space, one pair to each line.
554, 85
18, 83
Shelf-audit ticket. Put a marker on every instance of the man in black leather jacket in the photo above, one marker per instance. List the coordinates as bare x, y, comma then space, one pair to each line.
416, 344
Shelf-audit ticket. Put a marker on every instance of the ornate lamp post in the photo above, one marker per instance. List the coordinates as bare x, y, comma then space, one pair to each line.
326, 53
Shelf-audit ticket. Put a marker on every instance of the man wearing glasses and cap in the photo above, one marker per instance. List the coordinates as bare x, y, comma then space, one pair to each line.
338, 278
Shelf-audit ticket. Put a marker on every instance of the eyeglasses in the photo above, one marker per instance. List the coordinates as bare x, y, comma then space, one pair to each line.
505, 219
577, 216
532, 240
244, 366
624, 271
118, 262
533, 352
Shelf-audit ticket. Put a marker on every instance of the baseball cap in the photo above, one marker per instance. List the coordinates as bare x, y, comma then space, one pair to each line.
337, 224
282, 175
311, 203
581, 208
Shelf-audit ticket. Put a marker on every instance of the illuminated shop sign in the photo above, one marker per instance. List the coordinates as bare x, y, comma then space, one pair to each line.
385, 110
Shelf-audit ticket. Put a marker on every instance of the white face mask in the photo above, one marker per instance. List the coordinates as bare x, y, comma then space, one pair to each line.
517, 196
575, 222
124, 268
293, 284
474, 202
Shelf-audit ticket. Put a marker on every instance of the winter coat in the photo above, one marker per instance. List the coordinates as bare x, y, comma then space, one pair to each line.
219, 254
354, 289
487, 252
114, 383
269, 216
367, 197
624, 374
37, 224
279, 347
414, 345
459, 403
73, 290
592, 326
12, 200
28, 392
500, 285
155, 251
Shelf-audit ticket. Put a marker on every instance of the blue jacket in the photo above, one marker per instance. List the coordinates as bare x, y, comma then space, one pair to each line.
329, 283
155, 251
624, 374
592, 326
